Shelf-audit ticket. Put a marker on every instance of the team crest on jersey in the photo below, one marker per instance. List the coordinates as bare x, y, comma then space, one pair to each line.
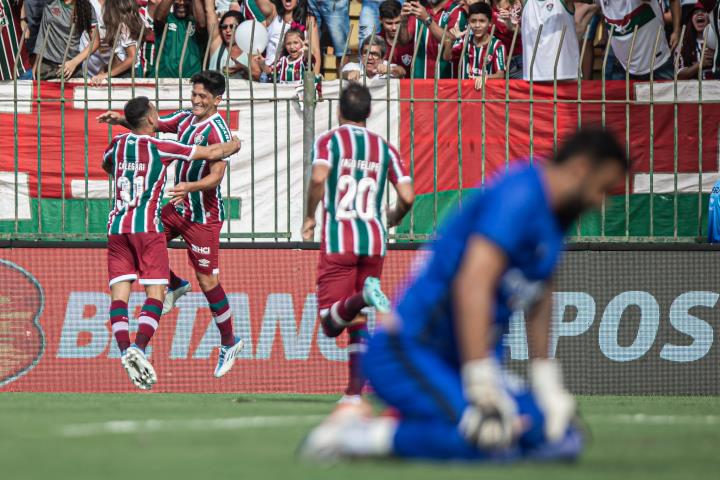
199, 139
3, 17
406, 59
191, 29
549, 6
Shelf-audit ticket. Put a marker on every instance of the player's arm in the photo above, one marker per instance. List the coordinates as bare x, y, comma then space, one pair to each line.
489, 420
557, 403
316, 191
208, 182
113, 118
405, 200
217, 151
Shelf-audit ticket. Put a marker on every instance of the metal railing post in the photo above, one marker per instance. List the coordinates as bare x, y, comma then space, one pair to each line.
652, 132
309, 100
16, 130
532, 66
627, 133
438, 65
461, 74
62, 130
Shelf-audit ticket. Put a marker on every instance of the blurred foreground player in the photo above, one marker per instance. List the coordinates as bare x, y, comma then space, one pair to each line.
350, 167
136, 242
437, 360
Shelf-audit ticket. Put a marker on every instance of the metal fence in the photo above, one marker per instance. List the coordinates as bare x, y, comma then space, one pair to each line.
265, 193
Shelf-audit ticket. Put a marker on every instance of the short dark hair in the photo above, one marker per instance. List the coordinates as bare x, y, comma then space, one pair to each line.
480, 8
595, 143
213, 81
232, 14
390, 9
136, 110
355, 102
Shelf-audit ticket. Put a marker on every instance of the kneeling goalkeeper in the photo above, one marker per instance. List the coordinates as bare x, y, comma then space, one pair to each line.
437, 360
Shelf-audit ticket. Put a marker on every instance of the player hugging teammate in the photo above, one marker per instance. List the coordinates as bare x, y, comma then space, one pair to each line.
137, 249
196, 211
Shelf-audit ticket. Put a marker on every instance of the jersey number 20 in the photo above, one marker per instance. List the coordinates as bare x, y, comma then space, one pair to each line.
357, 198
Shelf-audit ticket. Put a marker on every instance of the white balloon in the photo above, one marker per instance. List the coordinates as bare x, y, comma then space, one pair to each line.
244, 32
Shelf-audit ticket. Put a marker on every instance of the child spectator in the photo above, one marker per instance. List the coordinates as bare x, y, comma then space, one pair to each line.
58, 17
507, 15
373, 64
692, 46
119, 18
294, 13
481, 46
392, 20
186, 16
290, 66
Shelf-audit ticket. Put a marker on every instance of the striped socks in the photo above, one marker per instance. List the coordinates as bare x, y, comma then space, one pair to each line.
148, 322
222, 314
119, 322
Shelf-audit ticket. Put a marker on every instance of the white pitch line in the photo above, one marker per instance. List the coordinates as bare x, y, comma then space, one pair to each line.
642, 418
195, 424
239, 423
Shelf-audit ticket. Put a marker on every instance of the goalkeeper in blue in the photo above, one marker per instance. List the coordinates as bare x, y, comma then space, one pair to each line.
438, 359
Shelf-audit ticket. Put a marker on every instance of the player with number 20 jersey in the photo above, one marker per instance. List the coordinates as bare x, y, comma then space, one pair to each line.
351, 165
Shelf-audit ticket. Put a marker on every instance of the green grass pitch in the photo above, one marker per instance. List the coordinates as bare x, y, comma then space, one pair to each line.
173, 436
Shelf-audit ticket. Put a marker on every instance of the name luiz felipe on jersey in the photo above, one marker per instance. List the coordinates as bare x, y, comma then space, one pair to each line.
360, 164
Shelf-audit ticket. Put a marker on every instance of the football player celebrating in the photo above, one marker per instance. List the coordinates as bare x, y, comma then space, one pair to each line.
136, 243
197, 212
350, 168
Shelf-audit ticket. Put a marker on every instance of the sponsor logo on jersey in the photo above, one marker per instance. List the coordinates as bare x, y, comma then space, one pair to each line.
204, 262
200, 250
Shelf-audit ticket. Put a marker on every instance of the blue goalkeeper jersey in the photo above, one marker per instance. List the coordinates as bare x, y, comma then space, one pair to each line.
513, 213
714, 215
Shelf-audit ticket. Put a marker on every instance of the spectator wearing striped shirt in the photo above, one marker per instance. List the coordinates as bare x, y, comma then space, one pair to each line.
484, 55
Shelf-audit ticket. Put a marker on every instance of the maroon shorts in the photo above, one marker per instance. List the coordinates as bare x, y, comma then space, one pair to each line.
202, 239
341, 275
138, 255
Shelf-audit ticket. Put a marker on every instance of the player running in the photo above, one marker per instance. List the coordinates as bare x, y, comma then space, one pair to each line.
438, 358
350, 168
197, 212
136, 244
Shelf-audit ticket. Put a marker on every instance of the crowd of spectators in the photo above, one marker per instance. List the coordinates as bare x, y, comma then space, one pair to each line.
537, 40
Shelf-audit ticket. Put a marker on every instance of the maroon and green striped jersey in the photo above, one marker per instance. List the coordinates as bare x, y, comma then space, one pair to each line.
205, 206
471, 61
10, 36
139, 171
428, 47
290, 71
251, 11
360, 163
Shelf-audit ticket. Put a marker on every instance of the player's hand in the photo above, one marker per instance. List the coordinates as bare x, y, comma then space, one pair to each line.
237, 144
179, 192
110, 117
557, 404
491, 420
308, 229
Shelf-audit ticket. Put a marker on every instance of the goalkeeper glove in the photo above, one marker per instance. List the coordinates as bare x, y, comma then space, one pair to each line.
555, 401
488, 420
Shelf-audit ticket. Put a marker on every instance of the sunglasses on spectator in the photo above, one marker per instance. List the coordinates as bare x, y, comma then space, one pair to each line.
227, 26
